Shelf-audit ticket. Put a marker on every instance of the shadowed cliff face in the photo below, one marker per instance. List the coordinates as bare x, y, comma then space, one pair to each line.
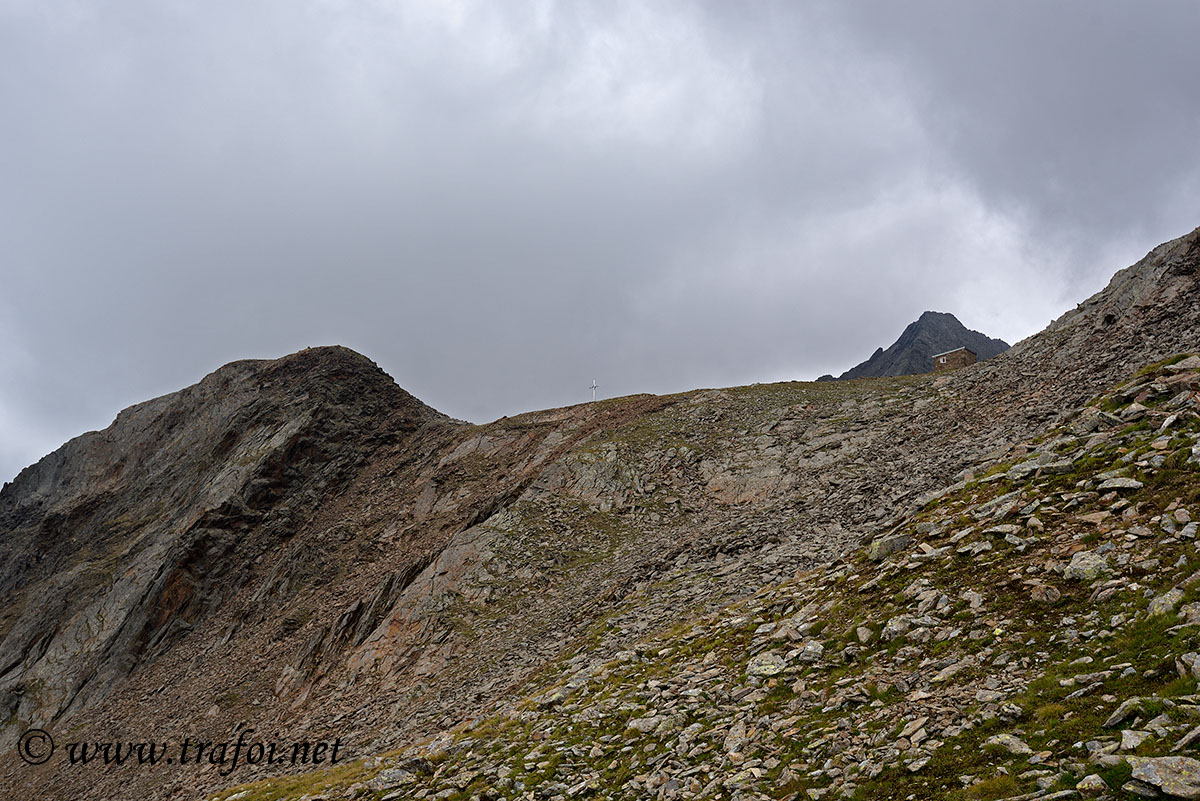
115, 545
299, 545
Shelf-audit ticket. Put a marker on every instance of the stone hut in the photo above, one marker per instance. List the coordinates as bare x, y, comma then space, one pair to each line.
953, 359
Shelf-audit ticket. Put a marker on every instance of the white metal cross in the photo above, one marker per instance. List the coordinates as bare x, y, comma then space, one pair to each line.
594, 387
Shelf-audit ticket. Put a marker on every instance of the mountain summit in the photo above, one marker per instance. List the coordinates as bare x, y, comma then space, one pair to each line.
932, 333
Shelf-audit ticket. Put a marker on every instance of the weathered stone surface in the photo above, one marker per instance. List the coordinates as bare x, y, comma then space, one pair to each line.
735, 739
1011, 744
1120, 484
1141, 789
1133, 412
646, 724
1124, 711
812, 651
1022, 471
886, 546
1086, 566
390, 778
767, 664
1186, 365
1131, 739
1165, 604
1176, 776
895, 627
1044, 594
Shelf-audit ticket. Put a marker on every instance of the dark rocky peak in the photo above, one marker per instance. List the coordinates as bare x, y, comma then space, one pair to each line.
932, 333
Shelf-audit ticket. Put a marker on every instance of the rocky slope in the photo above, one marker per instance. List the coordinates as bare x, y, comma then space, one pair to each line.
1031, 632
912, 353
299, 546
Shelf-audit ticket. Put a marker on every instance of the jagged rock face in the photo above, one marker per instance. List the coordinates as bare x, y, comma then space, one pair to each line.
1143, 308
240, 542
301, 545
116, 544
912, 353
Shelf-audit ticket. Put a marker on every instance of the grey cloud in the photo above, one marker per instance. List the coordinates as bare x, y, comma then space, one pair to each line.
1083, 113
499, 203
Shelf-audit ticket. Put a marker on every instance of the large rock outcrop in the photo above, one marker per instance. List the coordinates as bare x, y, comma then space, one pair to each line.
118, 543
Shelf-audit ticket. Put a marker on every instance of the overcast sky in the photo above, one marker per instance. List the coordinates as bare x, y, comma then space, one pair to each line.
500, 201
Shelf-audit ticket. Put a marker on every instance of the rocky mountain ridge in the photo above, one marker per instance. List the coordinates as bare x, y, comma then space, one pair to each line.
300, 546
886, 675
912, 353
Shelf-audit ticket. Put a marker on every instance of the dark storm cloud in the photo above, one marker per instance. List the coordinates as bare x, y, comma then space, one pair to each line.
1081, 113
500, 202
